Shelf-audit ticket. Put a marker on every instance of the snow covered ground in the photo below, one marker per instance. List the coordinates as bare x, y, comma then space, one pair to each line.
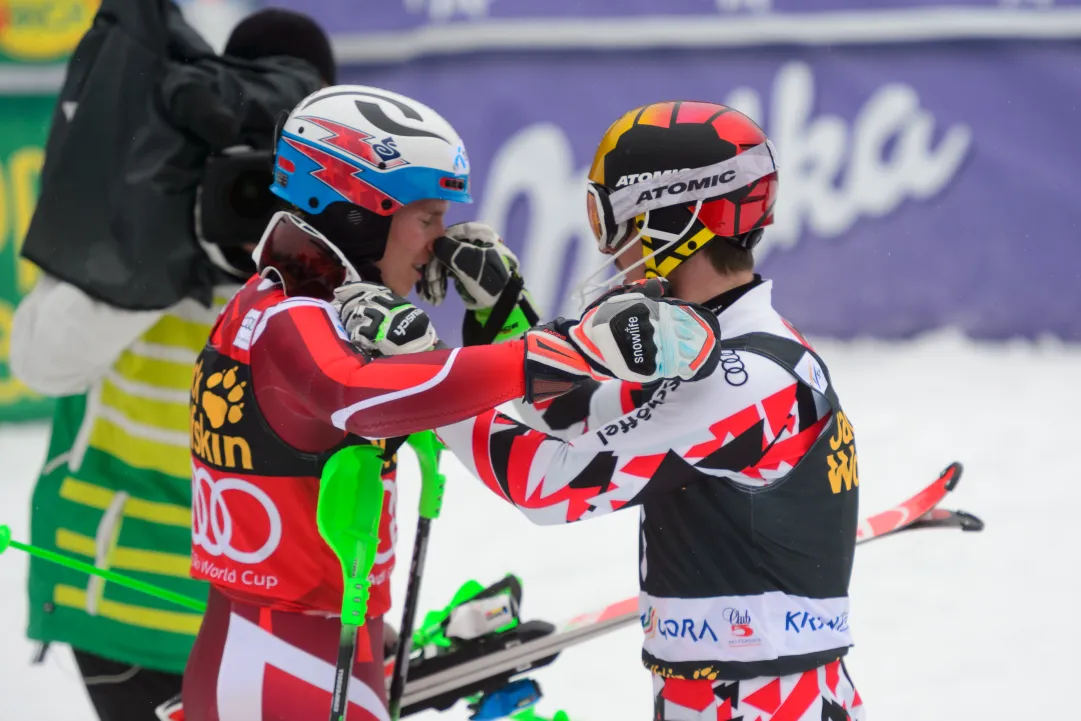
948, 625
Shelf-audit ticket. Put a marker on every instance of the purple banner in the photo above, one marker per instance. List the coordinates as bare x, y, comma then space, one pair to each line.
349, 16
921, 187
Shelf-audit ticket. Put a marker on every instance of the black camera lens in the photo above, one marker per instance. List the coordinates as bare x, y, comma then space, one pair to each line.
250, 195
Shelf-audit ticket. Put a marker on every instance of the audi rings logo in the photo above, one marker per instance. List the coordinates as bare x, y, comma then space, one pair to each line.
212, 519
732, 365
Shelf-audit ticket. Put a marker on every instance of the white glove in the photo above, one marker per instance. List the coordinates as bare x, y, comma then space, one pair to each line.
633, 333
475, 256
637, 334
379, 322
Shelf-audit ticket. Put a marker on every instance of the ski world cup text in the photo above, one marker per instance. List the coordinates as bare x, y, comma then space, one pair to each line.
215, 503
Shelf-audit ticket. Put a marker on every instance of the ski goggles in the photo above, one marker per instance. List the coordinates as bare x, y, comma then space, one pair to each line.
611, 212
306, 263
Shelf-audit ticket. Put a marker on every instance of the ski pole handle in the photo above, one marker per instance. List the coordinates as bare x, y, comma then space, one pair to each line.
432, 482
110, 576
348, 512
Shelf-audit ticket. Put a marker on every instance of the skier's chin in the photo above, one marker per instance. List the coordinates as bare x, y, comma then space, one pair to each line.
399, 275
629, 256
637, 273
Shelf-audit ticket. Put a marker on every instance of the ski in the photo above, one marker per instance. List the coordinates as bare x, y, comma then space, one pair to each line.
532, 644
945, 518
919, 511
489, 663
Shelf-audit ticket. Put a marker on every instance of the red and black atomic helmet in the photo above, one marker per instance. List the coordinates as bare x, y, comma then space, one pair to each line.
677, 175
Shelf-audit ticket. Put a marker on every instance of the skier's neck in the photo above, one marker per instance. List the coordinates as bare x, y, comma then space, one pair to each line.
698, 282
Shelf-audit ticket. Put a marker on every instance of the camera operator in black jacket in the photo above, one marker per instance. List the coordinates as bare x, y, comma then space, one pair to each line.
147, 116
156, 178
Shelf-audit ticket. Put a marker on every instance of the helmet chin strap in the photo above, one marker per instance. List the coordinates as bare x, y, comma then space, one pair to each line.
351, 274
588, 289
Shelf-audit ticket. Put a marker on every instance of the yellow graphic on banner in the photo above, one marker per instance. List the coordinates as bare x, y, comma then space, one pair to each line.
11, 390
44, 30
24, 169
18, 194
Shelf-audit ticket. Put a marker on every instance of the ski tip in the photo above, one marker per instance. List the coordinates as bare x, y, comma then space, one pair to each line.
5, 538
952, 474
969, 522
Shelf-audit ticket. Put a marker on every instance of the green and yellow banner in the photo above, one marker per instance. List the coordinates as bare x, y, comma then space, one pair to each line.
24, 125
36, 38
42, 31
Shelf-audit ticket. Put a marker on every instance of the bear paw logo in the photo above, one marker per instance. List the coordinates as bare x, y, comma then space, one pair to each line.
221, 398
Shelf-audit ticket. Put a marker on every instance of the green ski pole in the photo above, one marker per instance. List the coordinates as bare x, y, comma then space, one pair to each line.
110, 576
350, 504
427, 448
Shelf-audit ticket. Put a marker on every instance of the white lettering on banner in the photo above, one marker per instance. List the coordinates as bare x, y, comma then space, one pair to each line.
443, 10
251, 578
754, 6
537, 165
813, 152
210, 570
832, 175
212, 520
